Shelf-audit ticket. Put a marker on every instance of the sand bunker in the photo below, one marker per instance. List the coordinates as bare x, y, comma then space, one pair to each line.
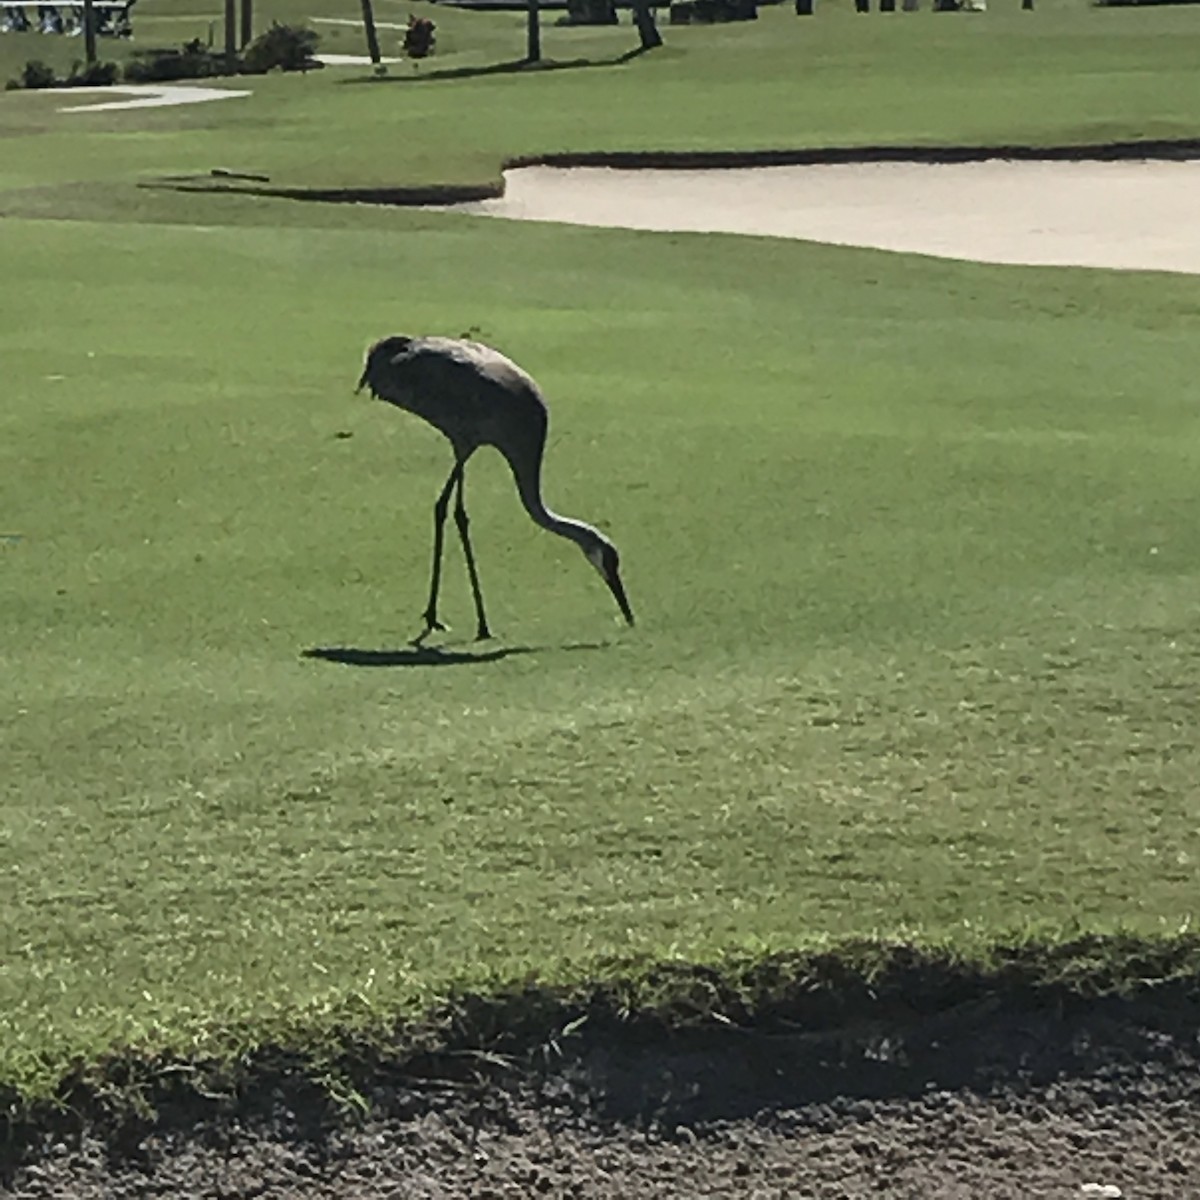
1129, 215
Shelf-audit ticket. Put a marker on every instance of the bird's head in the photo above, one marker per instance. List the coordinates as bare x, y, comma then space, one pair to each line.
379, 356
602, 554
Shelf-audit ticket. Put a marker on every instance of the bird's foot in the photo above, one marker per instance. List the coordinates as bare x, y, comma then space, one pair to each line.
432, 625
483, 634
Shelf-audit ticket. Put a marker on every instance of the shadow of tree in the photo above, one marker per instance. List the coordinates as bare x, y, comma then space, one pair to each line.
501, 68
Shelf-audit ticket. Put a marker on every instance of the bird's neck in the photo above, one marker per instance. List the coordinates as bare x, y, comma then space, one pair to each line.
530, 490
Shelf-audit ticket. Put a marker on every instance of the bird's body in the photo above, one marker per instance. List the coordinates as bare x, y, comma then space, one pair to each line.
466, 390
476, 396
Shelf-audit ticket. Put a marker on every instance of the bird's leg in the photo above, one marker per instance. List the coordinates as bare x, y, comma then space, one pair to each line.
463, 522
439, 524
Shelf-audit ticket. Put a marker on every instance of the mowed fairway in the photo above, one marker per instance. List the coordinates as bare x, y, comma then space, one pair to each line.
912, 545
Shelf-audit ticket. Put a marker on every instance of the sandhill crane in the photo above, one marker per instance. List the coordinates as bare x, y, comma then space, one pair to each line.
477, 397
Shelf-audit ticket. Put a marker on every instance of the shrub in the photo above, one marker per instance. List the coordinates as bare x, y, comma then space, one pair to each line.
591, 12
419, 37
282, 48
193, 60
36, 74
710, 12
98, 74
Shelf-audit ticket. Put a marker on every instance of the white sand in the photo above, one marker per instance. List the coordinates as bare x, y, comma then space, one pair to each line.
168, 95
355, 24
157, 95
350, 60
1130, 215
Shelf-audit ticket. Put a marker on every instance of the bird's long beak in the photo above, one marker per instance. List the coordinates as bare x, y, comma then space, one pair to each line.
618, 591
362, 382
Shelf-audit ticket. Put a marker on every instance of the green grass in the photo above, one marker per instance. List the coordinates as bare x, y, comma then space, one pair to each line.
464, 39
911, 545
1063, 75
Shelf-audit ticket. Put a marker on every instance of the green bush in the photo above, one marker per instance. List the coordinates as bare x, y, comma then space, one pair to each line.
193, 60
97, 74
282, 48
419, 37
590, 12
711, 12
36, 74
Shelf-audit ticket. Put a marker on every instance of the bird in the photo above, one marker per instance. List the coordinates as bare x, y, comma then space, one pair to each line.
475, 396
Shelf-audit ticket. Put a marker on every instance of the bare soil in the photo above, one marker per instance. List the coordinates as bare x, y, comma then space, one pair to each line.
1102, 1100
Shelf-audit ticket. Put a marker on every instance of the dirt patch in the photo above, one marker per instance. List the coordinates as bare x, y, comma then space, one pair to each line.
1097, 1099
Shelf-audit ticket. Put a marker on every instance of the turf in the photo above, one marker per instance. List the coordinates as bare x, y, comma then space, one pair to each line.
1061, 76
909, 542
914, 653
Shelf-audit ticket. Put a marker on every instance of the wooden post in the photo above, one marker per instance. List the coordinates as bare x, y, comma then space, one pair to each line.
533, 29
372, 37
89, 32
247, 23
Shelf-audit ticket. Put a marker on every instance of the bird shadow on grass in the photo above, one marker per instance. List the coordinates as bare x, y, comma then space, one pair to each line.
431, 656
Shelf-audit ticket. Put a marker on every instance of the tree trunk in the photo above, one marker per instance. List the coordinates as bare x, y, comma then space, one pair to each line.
372, 37
643, 18
89, 32
247, 23
231, 32
533, 52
